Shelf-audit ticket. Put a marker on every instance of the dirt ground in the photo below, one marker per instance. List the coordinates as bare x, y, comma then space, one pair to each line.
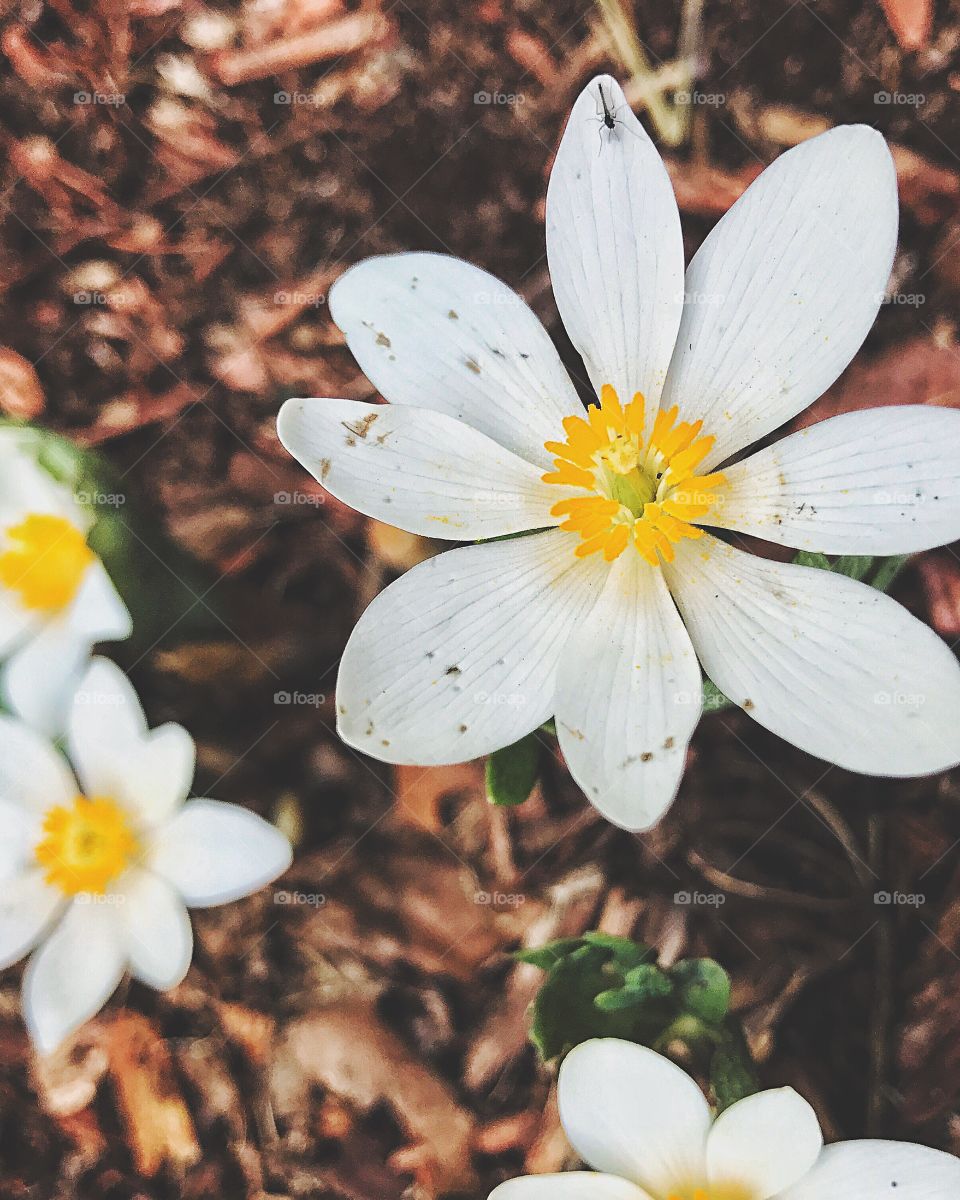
183, 184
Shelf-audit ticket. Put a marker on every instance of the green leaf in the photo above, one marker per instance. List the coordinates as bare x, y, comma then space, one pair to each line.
807, 558
887, 570
732, 1076
704, 988
547, 956
856, 566
564, 1013
625, 952
713, 699
512, 772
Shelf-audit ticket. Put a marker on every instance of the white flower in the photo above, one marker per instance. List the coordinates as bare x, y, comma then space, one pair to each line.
56, 598
485, 436
99, 867
643, 1123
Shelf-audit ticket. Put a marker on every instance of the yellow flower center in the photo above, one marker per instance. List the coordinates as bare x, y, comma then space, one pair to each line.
86, 845
646, 494
720, 1192
45, 560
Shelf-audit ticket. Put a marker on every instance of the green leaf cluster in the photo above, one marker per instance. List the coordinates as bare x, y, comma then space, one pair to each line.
599, 985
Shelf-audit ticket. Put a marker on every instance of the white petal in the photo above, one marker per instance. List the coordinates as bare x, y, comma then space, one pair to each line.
764, 1143
574, 1185
614, 246
214, 853
157, 933
16, 622
785, 288
116, 755
459, 656
420, 470
33, 774
27, 909
73, 974
26, 487
38, 681
20, 830
438, 333
632, 1112
629, 697
97, 613
875, 1170
879, 481
832, 665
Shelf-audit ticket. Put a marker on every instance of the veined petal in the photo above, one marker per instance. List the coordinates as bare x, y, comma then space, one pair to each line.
420, 470
573, 1185
459, 656
213, 853
629, 697
765, 1143
33, 775
867, 1170
879, 481
28, 907
614, 246
439, 333
116, 755
785, 288
156, 929
630, 1111
73, 974
834, 666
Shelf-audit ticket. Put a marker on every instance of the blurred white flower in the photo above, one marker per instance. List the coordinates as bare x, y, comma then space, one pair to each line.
56, 598
485, 436
99, 867
644, 1126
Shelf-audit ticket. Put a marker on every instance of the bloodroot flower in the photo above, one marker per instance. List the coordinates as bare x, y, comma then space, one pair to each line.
644, 1126
601, 614
100, 867
56, 598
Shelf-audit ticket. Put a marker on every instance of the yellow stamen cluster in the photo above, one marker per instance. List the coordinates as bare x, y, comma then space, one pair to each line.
646, 493
45, 561
86, 846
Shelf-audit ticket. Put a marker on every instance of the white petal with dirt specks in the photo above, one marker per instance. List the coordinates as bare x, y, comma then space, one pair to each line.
878, 481
459, 657
831, 665
785, 288
614, 246
877, 1170
420, 470
438, 333
628, 697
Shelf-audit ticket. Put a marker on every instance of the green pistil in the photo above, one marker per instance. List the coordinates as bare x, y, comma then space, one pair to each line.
633, 490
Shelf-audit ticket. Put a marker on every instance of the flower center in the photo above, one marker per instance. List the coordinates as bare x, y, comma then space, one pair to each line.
719, 1192
642, 493
45, 560
86, 845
